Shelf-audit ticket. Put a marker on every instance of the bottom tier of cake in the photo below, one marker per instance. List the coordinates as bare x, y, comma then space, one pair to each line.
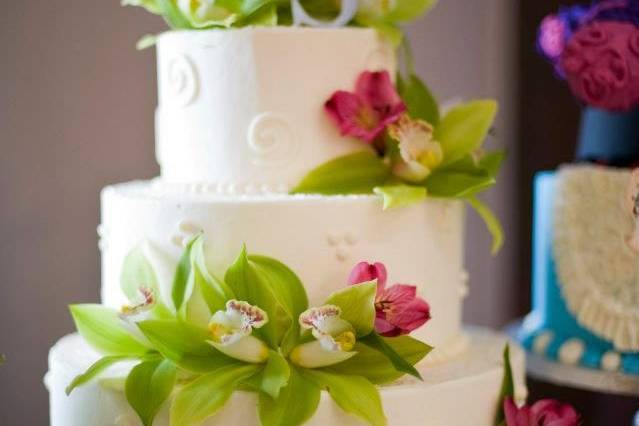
463, 391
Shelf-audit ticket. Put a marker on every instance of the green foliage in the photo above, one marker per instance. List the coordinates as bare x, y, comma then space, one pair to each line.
491, 221
275, 376
464, 128
273, 287
95, 370
182, 280
507, 386
356, 173
179, 346
357, 303
400, 195
380, 367
204, 396
184, 344
418, 98
137, 272
380, 344
353, 394
102, 328
296, 403
148, 386
457, 184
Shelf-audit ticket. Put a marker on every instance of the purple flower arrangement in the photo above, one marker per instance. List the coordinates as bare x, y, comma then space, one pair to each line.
596, 50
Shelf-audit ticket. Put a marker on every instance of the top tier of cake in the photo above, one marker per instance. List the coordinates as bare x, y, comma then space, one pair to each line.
242, 110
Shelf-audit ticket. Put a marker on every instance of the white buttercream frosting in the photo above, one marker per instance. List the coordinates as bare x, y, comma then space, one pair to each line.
476, 375
242, 109
320, 238
598, 271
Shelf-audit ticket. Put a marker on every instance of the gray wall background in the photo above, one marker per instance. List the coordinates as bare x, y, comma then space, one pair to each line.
76, 113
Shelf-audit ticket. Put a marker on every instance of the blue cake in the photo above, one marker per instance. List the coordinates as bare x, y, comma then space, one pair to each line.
585, 242
584, 310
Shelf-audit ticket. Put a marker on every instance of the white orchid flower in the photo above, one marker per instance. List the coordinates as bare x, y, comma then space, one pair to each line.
335, 338
419, 153
231, 332
138, 311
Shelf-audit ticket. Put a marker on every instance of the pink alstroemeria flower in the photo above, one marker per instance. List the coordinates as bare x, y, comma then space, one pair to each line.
365, 113
399, 310
545, 412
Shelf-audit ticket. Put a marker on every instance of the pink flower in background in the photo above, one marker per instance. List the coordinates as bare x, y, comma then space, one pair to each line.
545, 412
598, 63
365, 113
552, 36
399, 310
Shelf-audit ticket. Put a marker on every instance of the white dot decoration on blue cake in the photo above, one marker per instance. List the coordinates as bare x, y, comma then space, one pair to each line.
571, 351
611, 361
541, 342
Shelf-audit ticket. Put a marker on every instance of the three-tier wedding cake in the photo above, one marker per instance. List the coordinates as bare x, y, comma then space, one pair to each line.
283, 136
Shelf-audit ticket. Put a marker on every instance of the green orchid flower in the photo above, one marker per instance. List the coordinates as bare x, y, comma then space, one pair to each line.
231, 332
335, 338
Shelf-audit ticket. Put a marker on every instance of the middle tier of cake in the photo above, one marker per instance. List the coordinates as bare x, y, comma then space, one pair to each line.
320, 238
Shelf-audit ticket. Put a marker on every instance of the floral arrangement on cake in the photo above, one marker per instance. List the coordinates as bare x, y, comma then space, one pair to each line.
253, 331
409, 150
596, 50
545, 412
385, 16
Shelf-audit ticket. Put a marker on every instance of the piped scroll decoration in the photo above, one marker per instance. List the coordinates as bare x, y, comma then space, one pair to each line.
598, 271
182, 80
273, 140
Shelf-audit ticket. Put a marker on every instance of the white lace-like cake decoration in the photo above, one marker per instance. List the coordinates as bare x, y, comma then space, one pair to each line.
598, 271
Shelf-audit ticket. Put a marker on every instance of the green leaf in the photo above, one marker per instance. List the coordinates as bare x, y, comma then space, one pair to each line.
102, 329
137, 272
355, 173
215, 292
275, 375
464, 129
354, 394
378, 343
150, 5
378, 367
146, 41
453, 184
418, 98
289, 292
94, 370
172, 15
147, 386
184, 344
491, 221
400, 195
204, 396
357, 303
295, 405
507, 386
407, 10
252, 284
491, 162
266, 16
181, 284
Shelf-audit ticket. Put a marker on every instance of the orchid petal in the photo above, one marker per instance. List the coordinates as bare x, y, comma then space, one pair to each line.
366, 272
248, 349
366, 113
314, 355
399, 293
377, 90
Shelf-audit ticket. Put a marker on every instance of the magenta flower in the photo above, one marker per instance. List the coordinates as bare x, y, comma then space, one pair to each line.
399, 310
545, 412
365, 113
